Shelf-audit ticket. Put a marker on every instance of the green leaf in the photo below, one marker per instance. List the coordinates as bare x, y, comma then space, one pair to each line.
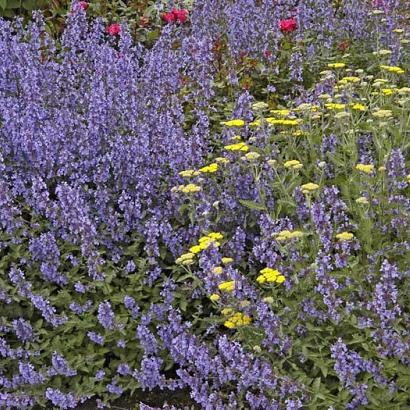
14, 4
3, 4
252, 205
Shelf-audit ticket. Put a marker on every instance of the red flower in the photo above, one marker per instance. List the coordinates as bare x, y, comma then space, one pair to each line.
268, 53
113, 29
181, 15
288, 25
83, 5
175, 15
169, 17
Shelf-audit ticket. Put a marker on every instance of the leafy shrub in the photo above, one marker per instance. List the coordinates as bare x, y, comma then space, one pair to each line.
162, 228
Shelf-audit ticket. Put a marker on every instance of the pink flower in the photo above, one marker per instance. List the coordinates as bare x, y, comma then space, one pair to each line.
181, 15
113, 29
169, 17
83, 5
175, 15
288, 25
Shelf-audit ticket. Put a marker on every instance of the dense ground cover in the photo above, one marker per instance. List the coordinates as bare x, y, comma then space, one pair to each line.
218, 203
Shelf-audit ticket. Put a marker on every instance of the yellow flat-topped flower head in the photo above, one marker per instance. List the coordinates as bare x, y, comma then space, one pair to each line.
228, 286
196, 249
227, 261
252, 156
287, 122
217, 270
287, 235
185, 259
345, 236
359, 107
336, 65
309, 187
362, 200
280, 113
392, 69
335, 106
366, 168
209, 169
215, 235
222, 160
211, 239
259, 106
293, 164
240, 146
214, 297
189, 189
188, 173
234, 123
237, 320
255, 123
383, 114
387, 91
269, 275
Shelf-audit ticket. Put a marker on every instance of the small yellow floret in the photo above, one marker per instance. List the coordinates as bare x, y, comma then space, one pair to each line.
228, 286
366, 168
310, 187
234, 123
240, 146
345, 236
336, 65
211, 168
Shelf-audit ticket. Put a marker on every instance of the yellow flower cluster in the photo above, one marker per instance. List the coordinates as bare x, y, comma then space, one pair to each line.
211, 168
217, 270
186, 259
270, 275
287, 235
203, 243
275, 121
359, 107
307, 107
308, 188
252, 156
255, 123
280, 113
228, 286
240, 146
336, 65
348, 80
366, 168
188, 173
362, 200
392, 69
187, 189
234, 123
382, 113
293, 164
344, 236
237, 320
206, 241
